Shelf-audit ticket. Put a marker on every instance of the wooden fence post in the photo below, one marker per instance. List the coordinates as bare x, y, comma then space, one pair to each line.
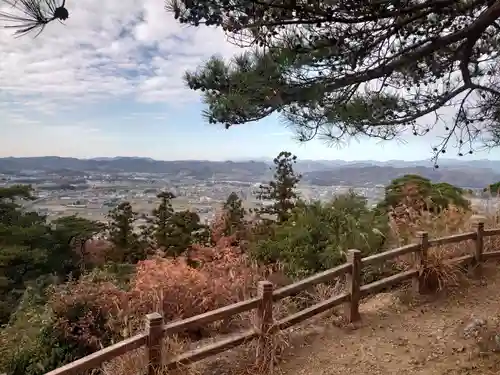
264, 323
479, 248
419, 281
154, 329
353, 281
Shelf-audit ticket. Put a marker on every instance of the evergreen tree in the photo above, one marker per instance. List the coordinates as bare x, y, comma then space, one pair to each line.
235, 214
185, 229
123, 236
10, 209
74, 232
492, 189
31, 248
146, 232
318, 234
330, 68
282, 190
161, 219
434, 197
174, 232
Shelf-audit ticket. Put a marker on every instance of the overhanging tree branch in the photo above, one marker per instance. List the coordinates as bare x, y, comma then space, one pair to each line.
341, 69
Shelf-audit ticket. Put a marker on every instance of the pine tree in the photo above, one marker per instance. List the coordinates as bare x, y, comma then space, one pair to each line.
341, 69
185, 230
282, 190
162, 218
123, 236
234, 214
175, 232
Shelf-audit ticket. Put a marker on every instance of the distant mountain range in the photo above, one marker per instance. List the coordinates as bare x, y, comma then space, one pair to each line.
471, 173
380, 175
197, 168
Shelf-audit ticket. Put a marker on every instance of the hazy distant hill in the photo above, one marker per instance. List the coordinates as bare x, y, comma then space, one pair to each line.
473, 173
200, 169
313, 165
373, 175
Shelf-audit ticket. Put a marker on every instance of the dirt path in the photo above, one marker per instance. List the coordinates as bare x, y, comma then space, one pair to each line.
412, 337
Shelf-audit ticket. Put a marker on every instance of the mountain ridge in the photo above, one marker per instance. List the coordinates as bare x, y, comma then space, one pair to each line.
470, 174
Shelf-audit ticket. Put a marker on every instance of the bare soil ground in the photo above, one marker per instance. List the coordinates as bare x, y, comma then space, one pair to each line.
401, 335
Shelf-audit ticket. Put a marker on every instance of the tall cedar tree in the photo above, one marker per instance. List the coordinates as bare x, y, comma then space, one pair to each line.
282, 191
235, 214
122, 235
162, 218
339, 69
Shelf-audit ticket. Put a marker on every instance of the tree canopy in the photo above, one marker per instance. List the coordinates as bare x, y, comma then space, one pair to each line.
32, 248
493, 189
316, 235
337, 70
234, 214
342, 69
436, 197
281, 191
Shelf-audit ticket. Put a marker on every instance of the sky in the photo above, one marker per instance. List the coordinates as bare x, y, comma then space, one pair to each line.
109, 83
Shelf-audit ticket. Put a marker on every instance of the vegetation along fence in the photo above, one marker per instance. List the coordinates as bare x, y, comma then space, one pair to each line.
156, 330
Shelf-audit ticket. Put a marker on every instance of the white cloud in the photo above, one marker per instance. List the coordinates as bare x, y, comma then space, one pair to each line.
108, 48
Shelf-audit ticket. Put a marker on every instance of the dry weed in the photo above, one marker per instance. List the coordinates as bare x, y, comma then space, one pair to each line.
179, 291
441, 273
405, 222
135, 362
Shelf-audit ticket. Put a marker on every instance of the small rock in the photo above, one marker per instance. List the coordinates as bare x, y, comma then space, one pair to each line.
414, 361
472, 328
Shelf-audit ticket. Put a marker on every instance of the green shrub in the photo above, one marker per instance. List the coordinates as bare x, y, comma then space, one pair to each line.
434, 197
317, 236
37, 357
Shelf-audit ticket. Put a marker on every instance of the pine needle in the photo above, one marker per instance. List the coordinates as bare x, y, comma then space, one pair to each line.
27, 16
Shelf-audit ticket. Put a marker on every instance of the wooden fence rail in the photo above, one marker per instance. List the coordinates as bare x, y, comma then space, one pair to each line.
156, 330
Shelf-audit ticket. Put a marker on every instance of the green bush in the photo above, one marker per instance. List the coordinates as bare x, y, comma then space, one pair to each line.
434, 197
39, 356
317, 236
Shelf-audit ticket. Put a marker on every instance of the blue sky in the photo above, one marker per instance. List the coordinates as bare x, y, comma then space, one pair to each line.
110, 83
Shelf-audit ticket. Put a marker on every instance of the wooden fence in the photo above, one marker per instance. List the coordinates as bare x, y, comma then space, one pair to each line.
156, 330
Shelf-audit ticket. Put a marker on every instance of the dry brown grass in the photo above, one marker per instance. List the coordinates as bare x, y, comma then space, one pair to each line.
406, 221
440, 273
239, 361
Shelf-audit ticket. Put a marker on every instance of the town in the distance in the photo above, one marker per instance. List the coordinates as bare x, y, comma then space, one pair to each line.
91, 187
